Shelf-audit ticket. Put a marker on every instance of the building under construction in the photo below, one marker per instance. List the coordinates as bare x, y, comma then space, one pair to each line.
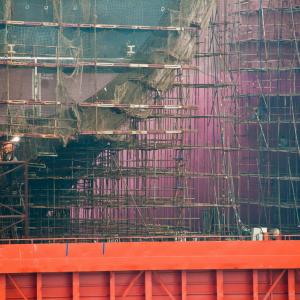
128, 123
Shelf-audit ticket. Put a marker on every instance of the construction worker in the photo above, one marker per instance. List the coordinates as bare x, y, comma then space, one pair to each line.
7, 151
276, 234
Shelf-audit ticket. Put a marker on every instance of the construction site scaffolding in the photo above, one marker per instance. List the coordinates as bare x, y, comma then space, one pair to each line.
179, 120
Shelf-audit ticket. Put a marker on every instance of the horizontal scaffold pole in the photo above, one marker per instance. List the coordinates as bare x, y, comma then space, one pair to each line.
94, 26
61, 62
99, 104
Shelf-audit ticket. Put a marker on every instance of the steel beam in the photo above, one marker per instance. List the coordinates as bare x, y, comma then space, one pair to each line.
220, 284
19, 290
148, 270
148, 285
75, 285
163, 286
85, 257
274, 285
143, 285
112, 285
2, 286
131, 284
255, 284
291, 285
39, 290
183, 285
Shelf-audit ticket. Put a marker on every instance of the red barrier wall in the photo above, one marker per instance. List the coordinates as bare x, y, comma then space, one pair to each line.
172, 270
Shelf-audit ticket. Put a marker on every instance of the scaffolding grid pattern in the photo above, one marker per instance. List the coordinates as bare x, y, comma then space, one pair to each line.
179, 119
